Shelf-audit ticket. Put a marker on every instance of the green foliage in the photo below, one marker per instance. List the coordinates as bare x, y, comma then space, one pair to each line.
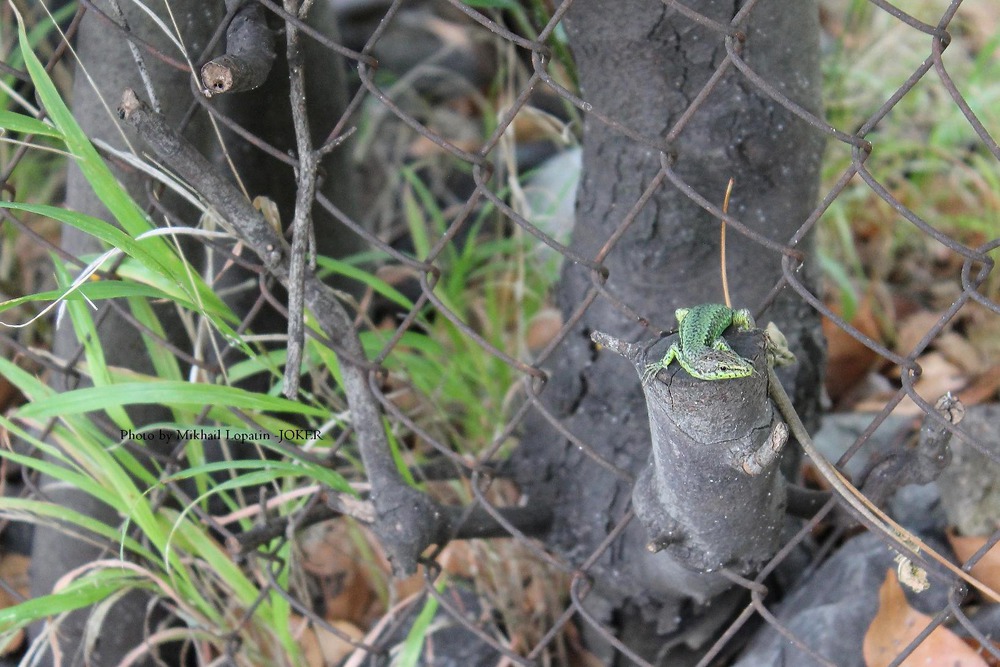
182, 554
169, 551
924, 151
413, 644
36, 34
486, 298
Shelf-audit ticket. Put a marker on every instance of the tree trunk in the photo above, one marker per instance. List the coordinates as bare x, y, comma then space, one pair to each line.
643, 64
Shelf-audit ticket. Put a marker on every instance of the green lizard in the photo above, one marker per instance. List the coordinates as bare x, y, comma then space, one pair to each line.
702, 350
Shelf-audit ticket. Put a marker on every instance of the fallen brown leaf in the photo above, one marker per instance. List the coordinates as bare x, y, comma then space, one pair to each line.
304, 634
977, 646
982, 328
578, 654
458, 559
938, 377
329, 555
849, 361
14, 572
897, 624
984, 388
542, 328
987, 568
333, 647
913, 328
10, 395
958, 350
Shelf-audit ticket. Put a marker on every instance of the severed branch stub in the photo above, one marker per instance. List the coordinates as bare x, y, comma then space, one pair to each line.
710, 495
249, 53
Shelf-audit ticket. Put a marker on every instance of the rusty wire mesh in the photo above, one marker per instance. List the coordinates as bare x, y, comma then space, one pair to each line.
481, 158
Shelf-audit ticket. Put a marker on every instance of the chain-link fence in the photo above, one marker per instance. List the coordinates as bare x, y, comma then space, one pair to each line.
459, 125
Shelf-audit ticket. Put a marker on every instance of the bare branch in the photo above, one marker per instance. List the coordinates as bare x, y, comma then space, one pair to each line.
305, 195
407, 521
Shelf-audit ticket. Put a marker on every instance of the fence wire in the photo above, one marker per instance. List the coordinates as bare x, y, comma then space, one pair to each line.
528, 602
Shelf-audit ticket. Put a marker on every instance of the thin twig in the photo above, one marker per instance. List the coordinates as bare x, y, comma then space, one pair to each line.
722, 246
905, 542
304, 196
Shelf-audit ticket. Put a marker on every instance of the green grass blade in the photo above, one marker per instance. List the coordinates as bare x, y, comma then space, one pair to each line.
86, 333
269, 362
95, 290
122, 207
281, 608
18, 122
416, 223
192, 538
428, 202
414, 642
165, 364
397, 455
105, 186
216, 309
28, 384
145, 252
80, 593
35, 511
159, 393
364, 277
63, 473
322, 475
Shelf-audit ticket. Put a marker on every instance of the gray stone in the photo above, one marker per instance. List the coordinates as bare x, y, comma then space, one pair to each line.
832, 609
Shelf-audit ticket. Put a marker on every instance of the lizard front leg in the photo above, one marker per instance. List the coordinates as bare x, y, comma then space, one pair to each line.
652, 369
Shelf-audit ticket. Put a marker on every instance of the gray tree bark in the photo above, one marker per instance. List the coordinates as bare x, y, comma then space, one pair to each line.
106, 58
643, 64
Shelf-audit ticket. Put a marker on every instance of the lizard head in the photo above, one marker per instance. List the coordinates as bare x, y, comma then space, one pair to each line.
721, 365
